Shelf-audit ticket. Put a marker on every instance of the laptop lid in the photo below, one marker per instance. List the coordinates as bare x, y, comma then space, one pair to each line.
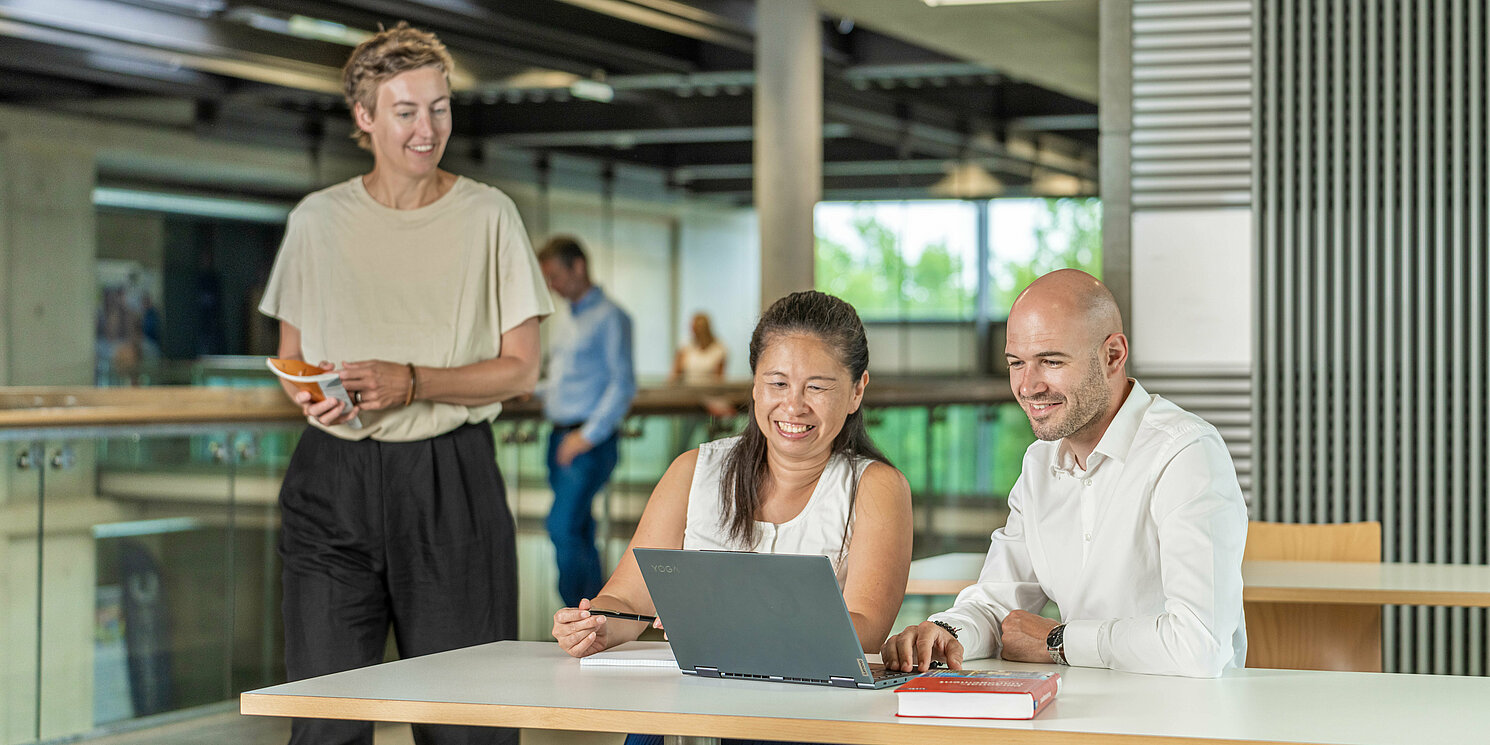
761, 616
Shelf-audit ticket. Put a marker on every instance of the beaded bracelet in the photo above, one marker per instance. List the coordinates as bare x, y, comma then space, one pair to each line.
949, 627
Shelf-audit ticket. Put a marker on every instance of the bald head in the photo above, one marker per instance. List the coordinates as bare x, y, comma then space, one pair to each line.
1073, 298
1067, 357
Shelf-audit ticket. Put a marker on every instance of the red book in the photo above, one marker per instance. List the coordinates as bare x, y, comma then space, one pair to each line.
978, 694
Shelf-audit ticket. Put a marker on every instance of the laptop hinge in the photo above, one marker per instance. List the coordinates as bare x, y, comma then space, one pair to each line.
707, 672
842, 682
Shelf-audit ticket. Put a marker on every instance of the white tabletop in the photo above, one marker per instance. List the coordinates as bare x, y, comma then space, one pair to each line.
1365, 583
944, 574
534, 684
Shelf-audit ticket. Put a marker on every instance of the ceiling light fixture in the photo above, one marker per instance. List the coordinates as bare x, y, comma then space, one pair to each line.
592, 90
317, 29
195, 8
189, 204
966, 179
298, 26
1049, 183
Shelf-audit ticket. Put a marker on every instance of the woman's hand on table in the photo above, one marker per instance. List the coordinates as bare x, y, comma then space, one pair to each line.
581, 633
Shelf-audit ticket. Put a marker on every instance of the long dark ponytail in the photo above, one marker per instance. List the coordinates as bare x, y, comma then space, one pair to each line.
837, 325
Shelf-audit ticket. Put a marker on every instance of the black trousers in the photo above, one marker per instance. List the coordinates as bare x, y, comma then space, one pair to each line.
416, 535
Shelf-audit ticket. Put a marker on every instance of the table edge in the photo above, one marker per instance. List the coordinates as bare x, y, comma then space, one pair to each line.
1365, 596
694, 725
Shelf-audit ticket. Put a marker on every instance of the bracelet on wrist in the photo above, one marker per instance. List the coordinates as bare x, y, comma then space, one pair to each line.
413, 384
949, 627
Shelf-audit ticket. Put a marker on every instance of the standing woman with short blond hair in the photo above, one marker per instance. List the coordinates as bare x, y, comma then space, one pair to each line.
421, 289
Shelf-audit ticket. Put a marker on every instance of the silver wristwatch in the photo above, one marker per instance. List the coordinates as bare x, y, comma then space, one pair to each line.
1055, 644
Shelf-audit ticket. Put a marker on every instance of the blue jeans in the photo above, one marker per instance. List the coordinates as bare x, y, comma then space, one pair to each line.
570, 523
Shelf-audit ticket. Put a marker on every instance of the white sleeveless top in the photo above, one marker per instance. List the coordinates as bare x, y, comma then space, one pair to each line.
822, 527
701, 365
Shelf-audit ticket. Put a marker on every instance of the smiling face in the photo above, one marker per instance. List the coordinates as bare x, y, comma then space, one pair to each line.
802, 395
410, 123
1062, 376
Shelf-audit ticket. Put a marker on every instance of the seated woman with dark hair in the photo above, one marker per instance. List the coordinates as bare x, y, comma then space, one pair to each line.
803, 478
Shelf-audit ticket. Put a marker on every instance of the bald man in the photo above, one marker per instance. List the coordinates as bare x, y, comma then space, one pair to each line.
1127, 514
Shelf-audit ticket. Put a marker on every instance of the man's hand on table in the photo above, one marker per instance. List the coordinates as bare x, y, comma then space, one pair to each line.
1024, 637
915, 648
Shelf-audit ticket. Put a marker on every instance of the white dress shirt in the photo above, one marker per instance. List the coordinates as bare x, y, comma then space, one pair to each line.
1142, 551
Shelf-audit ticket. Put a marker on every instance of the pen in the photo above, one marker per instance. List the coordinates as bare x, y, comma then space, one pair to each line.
619, 614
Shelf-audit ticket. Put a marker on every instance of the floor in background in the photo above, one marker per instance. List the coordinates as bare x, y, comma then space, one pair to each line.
217, 729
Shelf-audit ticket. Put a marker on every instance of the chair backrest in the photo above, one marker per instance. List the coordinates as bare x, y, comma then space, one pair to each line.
1324, 636
1292, 542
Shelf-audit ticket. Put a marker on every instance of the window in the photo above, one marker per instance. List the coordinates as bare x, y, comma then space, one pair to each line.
900, 260
1030, 237
908, 263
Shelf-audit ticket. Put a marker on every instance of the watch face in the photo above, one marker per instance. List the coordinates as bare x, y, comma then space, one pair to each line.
1056, 637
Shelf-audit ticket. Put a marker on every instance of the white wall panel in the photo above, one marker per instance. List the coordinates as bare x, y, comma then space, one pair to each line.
1192, 289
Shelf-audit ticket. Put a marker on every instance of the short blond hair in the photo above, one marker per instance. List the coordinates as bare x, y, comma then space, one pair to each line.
383, 56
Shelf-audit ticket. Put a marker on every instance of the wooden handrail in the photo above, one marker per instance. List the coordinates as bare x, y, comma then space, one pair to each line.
77, 406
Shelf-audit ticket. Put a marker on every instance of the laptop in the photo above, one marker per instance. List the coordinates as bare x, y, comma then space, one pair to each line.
776, 617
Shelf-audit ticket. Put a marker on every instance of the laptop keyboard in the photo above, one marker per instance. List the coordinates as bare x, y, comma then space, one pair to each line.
879, 672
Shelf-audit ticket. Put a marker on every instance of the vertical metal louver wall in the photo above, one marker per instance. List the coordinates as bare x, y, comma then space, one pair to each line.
1371, 364
1192, 149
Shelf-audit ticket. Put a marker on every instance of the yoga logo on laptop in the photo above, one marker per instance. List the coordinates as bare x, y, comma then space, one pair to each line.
664, 568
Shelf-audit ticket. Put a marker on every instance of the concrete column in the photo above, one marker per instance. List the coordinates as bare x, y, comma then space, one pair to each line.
1115, 19
47, 254
788, 141
47, 239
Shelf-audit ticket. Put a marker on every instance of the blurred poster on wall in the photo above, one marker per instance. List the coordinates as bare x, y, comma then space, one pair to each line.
127, 335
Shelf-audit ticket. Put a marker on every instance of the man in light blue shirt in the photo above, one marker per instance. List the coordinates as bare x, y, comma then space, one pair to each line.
590, 386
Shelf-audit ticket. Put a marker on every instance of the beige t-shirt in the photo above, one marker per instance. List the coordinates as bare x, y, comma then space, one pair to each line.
436, 286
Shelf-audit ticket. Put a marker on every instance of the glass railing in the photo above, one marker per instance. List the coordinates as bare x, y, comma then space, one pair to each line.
138, 547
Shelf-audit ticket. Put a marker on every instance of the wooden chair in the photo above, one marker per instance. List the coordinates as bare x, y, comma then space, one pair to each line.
1325, 636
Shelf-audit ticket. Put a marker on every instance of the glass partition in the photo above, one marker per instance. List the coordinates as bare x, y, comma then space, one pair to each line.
20, 598
140, 566
140, 577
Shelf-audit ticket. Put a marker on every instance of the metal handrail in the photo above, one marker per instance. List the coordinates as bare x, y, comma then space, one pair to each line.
59, 407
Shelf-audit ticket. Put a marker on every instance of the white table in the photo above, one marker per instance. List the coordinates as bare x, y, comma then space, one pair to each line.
534, 684
1366, 583
1359, 583
944, 574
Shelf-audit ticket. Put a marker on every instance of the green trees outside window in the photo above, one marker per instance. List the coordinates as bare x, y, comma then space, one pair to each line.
897, 260
917, 261
1031, 237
